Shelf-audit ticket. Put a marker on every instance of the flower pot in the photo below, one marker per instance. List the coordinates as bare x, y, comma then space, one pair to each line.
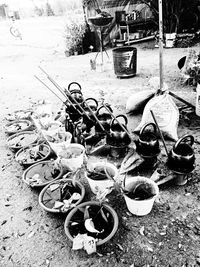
58, 145
55, 196
75, 221
42, 173
17, 126
19, 115
51, 128
98, 183
72, 156
22, 139
136, 206
32, 154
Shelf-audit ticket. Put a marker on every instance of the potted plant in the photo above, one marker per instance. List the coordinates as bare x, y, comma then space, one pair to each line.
33, 153
140, 193
42, 173
22, 139
91, 224
62, 195
101, 175
18, 126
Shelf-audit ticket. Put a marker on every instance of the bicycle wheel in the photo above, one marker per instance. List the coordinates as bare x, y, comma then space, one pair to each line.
15, 32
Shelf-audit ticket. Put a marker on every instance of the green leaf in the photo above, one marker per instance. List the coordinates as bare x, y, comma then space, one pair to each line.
86, 213
103, 215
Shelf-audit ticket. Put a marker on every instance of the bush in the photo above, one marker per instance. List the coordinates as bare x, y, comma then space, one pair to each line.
74, 33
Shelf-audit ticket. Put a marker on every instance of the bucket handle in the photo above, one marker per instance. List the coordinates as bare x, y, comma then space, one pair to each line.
105, 109
70, 90
94, 100
120, 116
146, 125
185, 138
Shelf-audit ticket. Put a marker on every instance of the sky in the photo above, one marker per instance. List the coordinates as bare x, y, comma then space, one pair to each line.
15, 4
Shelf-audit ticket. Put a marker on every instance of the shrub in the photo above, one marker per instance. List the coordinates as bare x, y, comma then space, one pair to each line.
74, 33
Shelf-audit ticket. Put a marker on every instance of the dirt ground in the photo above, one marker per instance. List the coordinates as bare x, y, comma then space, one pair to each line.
168, 236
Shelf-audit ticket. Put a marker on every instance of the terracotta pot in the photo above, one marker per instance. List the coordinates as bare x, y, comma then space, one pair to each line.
93, 206
23, 125
45, 171
48, 196
22, 139
32, 154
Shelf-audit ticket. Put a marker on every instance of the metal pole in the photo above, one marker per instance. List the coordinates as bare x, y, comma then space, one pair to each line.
160, 44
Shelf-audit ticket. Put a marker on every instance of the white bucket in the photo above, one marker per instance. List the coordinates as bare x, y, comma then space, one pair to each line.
140, 207
52, 128
101, 185
59, 147
74, 162
170, 39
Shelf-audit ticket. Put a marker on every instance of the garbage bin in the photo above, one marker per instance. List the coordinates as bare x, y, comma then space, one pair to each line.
125, 61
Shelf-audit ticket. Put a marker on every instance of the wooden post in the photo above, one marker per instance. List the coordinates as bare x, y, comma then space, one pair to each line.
160, 44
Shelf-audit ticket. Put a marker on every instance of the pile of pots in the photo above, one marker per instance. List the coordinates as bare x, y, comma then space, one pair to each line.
51, 167
52, 150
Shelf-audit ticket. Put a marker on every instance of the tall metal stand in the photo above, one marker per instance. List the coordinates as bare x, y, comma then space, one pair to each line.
102, 48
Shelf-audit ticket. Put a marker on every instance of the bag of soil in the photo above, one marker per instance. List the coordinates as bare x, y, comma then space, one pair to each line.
166, 114
137, 101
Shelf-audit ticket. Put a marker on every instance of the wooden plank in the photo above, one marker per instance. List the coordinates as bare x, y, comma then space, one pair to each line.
141, 40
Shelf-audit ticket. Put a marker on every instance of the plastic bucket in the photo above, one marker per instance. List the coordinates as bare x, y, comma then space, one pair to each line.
125, 61
52, 128
72, 162
58, 147
101, 185
140, 207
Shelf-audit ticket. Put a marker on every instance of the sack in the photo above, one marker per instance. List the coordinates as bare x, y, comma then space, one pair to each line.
166, 114
137, 101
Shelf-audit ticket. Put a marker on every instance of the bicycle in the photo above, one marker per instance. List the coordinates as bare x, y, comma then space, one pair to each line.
14, 30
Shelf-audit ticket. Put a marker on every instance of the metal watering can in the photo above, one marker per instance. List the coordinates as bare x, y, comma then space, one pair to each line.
182, 157
118, 139
148, 145
74, 110
117, 133
104, 118
90, 105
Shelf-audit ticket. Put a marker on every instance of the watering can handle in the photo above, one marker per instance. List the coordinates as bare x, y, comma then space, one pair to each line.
186, 138
93, 99
105, 108
120, 116
74, 89
146, 125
